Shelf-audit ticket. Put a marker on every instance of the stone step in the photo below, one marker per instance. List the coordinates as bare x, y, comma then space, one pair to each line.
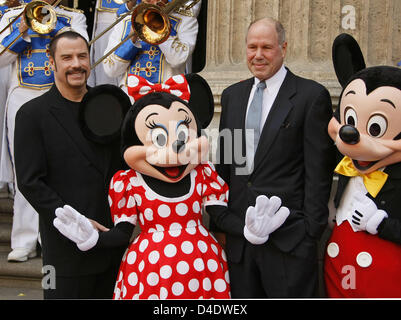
31, 269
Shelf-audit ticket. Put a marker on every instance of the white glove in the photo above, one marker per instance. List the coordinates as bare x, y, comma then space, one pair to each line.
366, 216
263, 219
76, 227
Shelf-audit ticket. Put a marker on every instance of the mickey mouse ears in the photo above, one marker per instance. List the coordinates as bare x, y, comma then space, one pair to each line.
102, 112
347, 57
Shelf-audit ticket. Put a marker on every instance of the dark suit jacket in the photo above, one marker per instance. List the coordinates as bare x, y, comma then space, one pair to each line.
57, 165
388, 199
294, 161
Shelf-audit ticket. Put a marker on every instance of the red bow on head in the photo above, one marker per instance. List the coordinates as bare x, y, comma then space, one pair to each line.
138, 87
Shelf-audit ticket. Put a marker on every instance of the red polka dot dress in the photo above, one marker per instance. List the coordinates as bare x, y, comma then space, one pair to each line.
174, 256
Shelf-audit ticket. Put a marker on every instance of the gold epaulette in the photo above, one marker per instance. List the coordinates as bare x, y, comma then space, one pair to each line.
185, 12
71, 9
15, 8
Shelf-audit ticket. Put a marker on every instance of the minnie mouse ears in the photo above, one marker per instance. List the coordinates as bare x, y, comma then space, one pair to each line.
201, 100
104, 107
102, 112
347, 58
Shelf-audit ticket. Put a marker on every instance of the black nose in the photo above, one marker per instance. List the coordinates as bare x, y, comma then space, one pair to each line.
349, 134
178, 146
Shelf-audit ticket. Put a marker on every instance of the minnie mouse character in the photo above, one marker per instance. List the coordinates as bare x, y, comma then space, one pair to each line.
363, 256
164, 191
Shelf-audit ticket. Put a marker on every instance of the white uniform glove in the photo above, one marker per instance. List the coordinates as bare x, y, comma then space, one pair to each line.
366, 216
76, 227
263, 219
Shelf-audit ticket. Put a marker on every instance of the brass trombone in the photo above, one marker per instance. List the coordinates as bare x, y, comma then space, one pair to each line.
39, 16
150, 23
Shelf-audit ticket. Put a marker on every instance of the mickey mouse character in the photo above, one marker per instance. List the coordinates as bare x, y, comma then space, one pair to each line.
363, 258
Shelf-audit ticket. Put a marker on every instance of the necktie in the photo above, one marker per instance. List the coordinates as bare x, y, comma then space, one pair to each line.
373, 181
253, 121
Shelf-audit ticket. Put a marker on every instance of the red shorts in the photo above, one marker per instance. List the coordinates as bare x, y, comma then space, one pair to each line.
361, 265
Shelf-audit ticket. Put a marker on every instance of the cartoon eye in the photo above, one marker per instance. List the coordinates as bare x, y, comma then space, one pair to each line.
377, 126
182, 132
159, 137
351, 117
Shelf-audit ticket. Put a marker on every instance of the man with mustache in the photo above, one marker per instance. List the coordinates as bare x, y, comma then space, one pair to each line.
292, 159
57, 165
30, 77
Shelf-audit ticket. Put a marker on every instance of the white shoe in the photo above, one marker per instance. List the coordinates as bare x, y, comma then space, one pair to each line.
21, 255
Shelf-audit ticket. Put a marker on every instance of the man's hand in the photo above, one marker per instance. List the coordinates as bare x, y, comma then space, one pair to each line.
76, 227
263, 219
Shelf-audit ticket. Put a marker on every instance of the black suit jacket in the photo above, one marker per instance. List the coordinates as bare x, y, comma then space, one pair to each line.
294, 161
388, 199
57, 165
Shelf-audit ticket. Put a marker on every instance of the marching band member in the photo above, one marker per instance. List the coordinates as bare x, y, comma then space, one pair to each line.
155, 63
30, 77
105, 15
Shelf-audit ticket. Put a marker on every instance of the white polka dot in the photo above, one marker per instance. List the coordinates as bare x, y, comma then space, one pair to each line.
191, 224
207, 284
212, 265
132, 81
215, 250
208, 171
153, 279
133, 279
141, 288
199, 189
138, 199
141, 266
182, 267
154, 257
119, 186
135, 181
196, 207
193, 285
165, 86
178, 78
124, 289
153, 297
163, 293
110, 201
227, 276
215, 185
170, 250
181, 209
203, 231
121, 203
157, 237
163, 211
202, 246
144, 244
199, 265
223, 256
220, 285
148, 214
166, 272
177, 93
175, 230
144, 90
177, 289
187, 247
131, 258
131, 202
